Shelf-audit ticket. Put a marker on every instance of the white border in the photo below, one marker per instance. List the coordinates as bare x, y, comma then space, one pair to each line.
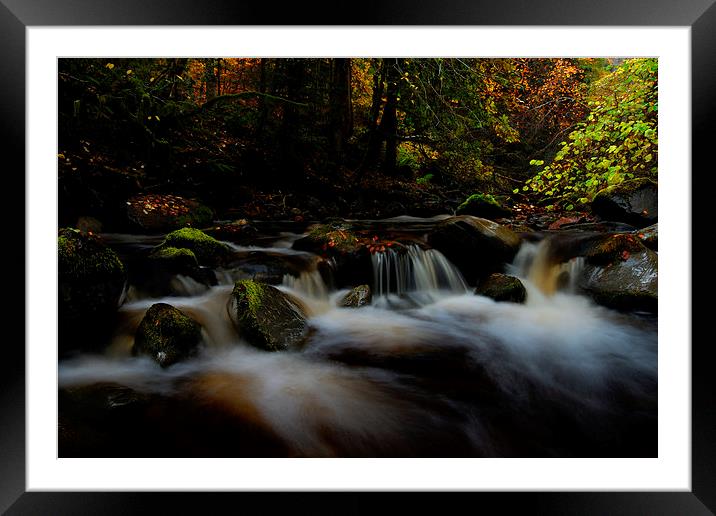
671, 471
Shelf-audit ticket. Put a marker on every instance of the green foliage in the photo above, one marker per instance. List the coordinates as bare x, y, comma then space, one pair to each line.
482, 198
424, 180
617, 141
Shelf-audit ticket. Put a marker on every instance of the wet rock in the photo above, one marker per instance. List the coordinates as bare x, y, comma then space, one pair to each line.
483, 205
600, 227
269, 267
357, 297
265, 316
348, 251
649, 236
155, 275
91, 284
627, 282
502, 287
633, 202
174, 260
159, 213
476, 246
208, 250
238, 231
167, 335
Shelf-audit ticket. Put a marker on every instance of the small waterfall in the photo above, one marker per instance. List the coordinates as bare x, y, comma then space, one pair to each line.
415, 270
308, 282
535, 263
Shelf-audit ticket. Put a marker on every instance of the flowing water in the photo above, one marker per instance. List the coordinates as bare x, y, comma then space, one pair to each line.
429, 369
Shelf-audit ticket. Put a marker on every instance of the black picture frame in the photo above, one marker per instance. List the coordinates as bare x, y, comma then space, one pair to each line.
17, 15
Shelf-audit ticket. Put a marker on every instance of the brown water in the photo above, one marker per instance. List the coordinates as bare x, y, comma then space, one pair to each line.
428, 370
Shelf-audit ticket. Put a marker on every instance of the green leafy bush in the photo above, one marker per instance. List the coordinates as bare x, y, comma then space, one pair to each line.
617, 141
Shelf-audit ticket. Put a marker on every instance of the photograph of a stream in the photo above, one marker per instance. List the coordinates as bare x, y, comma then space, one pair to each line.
387, 257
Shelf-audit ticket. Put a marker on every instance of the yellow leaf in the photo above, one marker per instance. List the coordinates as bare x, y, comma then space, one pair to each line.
109, 65
155, 116
129, 72
61, 156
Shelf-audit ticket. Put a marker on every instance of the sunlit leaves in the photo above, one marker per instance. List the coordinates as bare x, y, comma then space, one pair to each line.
617, 141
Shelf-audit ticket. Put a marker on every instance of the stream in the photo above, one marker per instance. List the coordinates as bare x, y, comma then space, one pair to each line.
429, 369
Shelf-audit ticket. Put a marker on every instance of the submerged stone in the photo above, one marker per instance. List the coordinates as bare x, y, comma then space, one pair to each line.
502, 287
265, 316
167, 335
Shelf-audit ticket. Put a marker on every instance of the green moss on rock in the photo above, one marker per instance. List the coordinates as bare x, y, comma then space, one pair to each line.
91, 280
265, 316
483, 205
174, 260
167, 335
205, 248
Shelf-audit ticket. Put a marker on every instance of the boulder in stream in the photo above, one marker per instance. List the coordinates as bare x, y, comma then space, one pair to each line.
502, 287
167, 335
348, 251
266, 317
91, 283
633, 202
208, 250
476, 246
357, 297
628, 282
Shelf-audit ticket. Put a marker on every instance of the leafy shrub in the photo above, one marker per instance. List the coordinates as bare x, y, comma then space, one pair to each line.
617, 141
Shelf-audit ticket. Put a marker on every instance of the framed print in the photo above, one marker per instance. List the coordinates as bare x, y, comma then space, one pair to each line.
389, 253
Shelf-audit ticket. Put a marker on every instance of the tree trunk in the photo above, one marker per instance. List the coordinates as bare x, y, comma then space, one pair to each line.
389, 121
375, 141
210, 78
340, 107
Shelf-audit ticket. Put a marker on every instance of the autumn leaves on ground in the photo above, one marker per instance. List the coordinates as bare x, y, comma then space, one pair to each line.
305, 139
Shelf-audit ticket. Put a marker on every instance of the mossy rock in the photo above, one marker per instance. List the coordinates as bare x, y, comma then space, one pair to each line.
207, 250
502, 287
167, 335
266, 317
633, 202
174, 260
156, 213
357, 297
91, 282
483, 205
475, 245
